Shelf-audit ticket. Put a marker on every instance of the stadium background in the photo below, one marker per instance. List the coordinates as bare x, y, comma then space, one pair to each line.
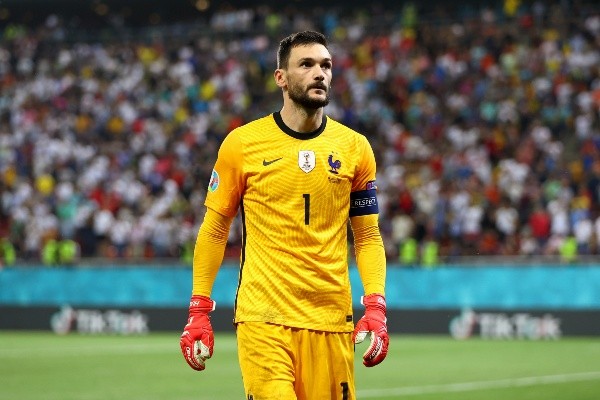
484, 118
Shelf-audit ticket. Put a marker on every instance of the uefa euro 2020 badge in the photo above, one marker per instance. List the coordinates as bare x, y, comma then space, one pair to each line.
214, 181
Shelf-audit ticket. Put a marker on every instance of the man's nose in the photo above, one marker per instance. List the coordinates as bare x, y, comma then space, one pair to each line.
319, 74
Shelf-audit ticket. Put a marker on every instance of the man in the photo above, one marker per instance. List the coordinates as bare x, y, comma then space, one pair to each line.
296, 176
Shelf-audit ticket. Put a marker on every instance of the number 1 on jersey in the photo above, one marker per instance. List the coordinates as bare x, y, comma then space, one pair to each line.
345, 390
306, 208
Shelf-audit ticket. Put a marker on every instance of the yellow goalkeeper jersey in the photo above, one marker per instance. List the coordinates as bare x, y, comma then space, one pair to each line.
295, 192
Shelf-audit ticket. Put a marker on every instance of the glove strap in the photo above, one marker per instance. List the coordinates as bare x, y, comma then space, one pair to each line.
374, 301
202, 303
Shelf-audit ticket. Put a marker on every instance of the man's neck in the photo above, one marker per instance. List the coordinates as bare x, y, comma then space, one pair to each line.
300, 119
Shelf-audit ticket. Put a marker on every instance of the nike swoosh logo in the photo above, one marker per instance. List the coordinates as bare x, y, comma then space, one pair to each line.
265, 162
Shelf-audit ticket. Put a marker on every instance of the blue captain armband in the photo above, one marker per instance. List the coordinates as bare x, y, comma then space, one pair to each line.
363, 202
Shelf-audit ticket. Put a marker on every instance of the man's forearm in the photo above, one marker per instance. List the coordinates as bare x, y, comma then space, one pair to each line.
370, 253
209, 251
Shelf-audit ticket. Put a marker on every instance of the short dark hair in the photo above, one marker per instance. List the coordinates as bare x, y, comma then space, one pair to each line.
294, 40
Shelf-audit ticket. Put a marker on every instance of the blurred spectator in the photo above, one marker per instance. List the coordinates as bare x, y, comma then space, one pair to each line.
539, 224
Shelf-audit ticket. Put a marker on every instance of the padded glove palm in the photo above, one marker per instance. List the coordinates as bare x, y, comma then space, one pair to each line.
373, 323
197, 339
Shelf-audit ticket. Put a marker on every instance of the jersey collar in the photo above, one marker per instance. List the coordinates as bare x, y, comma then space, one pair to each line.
299, 135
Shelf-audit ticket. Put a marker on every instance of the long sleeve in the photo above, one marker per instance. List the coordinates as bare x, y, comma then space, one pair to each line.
209, 251
370, 253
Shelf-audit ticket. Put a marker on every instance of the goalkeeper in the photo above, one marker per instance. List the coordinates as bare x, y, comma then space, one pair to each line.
296, 176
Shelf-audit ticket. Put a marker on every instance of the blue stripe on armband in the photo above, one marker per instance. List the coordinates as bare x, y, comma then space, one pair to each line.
363, 202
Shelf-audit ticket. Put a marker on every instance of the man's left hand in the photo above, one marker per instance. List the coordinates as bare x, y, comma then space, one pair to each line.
373, 323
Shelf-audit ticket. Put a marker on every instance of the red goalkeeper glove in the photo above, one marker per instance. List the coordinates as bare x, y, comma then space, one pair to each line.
197, 339
373, 323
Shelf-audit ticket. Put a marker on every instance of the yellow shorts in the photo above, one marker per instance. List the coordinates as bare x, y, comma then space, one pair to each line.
282, 363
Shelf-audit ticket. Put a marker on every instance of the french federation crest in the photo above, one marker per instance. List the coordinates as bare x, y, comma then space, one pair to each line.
306, 160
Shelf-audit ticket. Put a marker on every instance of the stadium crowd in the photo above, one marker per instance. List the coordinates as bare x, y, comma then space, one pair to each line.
486, 127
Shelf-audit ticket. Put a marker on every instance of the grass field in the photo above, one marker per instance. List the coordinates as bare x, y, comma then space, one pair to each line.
74, 367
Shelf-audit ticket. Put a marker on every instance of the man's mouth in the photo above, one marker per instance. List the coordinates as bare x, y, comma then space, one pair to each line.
318, 86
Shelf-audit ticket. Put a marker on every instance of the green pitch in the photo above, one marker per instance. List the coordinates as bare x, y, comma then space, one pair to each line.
74, 367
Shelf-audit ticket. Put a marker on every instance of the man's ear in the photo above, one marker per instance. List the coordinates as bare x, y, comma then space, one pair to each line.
280, 78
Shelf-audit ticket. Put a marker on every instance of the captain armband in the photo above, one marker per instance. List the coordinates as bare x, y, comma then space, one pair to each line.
363, 202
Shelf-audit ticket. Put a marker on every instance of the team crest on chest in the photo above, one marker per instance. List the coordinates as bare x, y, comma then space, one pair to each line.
334, 164
306, 160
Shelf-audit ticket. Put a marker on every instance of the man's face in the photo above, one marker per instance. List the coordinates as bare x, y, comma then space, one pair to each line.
309, 76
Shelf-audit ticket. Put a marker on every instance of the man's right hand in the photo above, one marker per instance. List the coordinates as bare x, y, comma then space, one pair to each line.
197, 339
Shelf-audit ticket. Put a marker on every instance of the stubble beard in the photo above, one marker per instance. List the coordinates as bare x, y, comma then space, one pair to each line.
301, 97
